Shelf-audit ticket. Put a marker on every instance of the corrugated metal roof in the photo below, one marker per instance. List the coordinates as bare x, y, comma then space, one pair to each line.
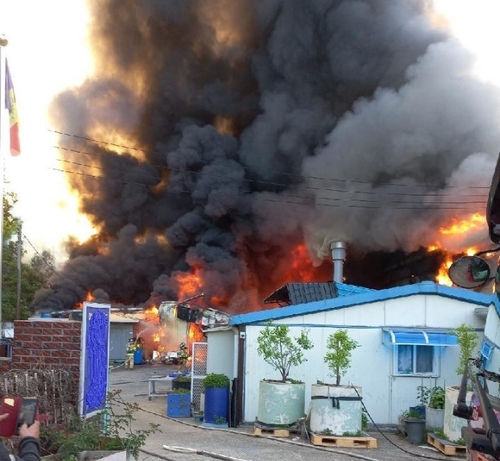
423, 288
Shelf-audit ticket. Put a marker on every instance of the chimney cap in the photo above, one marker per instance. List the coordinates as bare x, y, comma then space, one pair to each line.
338, 245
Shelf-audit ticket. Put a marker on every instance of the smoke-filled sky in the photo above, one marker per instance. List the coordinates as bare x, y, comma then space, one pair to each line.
233, 141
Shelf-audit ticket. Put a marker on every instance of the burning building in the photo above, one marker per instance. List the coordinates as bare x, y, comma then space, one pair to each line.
221, 146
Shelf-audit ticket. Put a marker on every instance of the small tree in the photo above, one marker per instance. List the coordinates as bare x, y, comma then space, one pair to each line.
338, 357
280, 350
467, 340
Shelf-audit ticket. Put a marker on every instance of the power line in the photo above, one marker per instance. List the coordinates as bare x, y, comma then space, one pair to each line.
305, 200
296, 176
379, 194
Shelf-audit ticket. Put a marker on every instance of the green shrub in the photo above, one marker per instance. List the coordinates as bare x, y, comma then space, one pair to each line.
437, 397
215, 380
110, 429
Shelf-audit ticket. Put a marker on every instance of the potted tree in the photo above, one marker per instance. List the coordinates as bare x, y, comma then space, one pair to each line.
281, 401
467, 340
334, 408
216, 412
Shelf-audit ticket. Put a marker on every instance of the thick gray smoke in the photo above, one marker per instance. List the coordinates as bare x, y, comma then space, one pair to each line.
248, 128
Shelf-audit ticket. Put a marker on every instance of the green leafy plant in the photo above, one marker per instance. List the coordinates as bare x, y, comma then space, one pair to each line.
437, 397
467, 340
365, 419
338, 358
180, 390
220, 419
423, 394
412, 414
352, 434
216, 380
280, 350
111, 429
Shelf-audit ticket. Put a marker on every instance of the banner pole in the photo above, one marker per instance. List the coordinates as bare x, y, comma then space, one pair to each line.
3, 43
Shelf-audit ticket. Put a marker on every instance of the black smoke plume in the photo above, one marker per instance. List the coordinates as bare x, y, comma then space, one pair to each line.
218, 136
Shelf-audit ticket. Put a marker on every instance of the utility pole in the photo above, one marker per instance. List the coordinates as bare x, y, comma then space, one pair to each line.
19, 257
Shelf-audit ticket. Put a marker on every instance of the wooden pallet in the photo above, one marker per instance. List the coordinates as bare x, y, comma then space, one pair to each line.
275, 432
445, 446
483, 457
343, 442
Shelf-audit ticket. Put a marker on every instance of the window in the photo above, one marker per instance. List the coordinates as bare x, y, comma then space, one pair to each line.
415, 360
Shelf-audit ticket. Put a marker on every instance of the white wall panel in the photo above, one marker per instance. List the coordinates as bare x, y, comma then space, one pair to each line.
385, 396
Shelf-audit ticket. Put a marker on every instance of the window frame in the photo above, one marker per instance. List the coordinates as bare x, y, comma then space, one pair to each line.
435, 361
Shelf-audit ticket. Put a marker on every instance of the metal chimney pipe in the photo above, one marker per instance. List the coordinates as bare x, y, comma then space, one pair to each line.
338, 257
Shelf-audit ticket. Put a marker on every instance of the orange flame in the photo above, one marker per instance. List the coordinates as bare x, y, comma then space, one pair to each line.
301, 267
190, 284
457, 228
88, 298
442, 276
151, 314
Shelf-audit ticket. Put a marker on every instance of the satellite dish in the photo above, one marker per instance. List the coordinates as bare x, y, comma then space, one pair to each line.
469, 272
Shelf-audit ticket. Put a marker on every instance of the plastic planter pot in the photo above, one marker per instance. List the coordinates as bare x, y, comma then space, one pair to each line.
179, 405
216, 405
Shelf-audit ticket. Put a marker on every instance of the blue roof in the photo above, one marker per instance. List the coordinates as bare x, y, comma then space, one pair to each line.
366, 296
346, 290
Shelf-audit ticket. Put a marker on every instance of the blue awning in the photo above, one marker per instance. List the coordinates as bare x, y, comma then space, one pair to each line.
426, 337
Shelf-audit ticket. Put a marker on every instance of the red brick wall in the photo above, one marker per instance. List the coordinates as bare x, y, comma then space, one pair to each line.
46, 343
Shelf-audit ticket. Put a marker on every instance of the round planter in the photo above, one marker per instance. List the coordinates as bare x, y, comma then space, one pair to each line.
280, 403
335, 409
434, 418
415, 430
216, 405
452, 425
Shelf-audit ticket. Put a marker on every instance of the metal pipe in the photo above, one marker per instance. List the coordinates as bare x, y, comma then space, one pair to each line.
338, 257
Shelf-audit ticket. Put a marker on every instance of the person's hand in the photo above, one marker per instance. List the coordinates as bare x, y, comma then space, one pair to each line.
30, 431
3, 417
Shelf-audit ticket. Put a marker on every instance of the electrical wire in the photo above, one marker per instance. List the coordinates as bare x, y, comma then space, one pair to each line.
385, 436
284, 185
130, 148
309, 200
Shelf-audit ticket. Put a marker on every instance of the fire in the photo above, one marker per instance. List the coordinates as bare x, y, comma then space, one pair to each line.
442, 276
190, 284
301, 267
151, 314
464, 226
457, 230
195, 334
88, 298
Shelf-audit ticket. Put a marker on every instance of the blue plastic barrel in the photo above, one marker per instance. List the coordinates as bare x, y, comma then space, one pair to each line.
138, 356
216, 405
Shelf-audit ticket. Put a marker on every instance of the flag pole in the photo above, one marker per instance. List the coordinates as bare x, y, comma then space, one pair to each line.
3, 43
